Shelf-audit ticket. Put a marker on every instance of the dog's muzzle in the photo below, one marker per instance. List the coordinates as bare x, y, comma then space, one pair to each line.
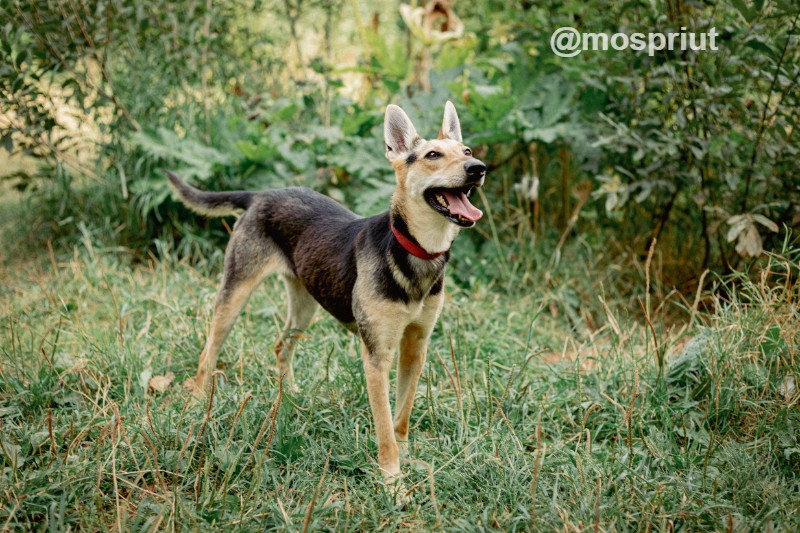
475, 171
453, 202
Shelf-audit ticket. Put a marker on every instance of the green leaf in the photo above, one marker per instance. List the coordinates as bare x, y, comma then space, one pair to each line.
8, 143
257, 153
757, 43
545, 135
742, 7
20, 58
198, 159
286, 112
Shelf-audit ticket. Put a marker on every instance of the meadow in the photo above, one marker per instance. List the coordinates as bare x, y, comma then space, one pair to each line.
520, 423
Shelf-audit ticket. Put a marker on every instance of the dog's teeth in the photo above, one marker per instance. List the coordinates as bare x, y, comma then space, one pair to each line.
441, 200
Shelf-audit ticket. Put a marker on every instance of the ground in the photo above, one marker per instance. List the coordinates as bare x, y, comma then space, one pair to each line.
522, 420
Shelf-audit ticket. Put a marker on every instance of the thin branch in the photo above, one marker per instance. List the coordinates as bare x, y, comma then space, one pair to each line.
763, 122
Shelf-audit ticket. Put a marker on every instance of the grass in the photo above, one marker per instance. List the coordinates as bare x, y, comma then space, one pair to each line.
523, 420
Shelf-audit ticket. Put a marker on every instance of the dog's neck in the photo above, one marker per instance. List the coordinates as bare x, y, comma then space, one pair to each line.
429, 229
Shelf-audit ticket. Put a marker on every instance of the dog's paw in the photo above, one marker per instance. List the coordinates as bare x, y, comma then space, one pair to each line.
398, 492
396, 488
191, 387
188, 385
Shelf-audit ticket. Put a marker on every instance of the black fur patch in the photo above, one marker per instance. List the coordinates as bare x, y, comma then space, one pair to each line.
402, 259
437, 285
388, 286
198, 199
323, 242
319, 237
400, 225
369, 342
411, 159
422, 274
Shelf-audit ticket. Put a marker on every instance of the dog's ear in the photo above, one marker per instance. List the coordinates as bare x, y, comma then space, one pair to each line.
451, 127
398, 132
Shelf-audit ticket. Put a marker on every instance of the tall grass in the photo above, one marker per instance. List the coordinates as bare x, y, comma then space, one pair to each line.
523, 420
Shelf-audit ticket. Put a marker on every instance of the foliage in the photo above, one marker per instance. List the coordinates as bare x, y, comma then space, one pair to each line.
681, 136
707, 136
79, 81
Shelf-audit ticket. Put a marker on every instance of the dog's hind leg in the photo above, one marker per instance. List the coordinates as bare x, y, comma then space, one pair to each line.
302, 307
246, 263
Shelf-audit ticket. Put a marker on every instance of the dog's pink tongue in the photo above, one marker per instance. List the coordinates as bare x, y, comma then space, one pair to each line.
459, 205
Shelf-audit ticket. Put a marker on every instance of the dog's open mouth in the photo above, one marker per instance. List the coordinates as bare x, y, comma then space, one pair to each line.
454, 205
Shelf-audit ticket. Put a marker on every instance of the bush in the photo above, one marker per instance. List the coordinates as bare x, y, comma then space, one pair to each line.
694, 149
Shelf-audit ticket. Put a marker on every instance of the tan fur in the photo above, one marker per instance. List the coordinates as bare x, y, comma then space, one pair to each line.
413, 351
302, 307
228, 304
226, 310
393, 325
433, 232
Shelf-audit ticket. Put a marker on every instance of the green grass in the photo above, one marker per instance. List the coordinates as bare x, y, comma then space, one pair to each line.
528, 423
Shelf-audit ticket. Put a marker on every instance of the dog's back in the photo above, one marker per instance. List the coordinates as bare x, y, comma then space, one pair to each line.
316, 238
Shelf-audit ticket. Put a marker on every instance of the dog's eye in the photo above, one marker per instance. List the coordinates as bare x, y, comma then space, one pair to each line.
433, 155
467, 152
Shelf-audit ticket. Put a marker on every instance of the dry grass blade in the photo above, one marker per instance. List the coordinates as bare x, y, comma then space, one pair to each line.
313, 502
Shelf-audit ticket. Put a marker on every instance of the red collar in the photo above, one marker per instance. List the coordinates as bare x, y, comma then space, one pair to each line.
413, 248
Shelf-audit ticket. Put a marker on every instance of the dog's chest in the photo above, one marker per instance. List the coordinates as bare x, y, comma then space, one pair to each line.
411, 311
415, 279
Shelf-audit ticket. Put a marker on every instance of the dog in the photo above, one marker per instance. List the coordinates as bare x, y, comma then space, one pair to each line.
382, 276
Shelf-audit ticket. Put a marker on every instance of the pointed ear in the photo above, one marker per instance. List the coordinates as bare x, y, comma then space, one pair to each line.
451, 127
398, 132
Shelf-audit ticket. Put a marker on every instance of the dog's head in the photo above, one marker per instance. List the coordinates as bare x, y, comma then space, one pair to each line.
439, 174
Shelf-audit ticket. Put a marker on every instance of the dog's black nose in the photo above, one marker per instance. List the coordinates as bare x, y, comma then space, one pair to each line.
475, 169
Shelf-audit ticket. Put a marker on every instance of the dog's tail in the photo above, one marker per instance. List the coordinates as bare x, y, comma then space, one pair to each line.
210, 204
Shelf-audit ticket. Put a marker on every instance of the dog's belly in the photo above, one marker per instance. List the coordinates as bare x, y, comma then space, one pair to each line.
335, 300
326, 265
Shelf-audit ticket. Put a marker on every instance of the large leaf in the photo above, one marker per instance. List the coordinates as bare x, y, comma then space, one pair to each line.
196, 159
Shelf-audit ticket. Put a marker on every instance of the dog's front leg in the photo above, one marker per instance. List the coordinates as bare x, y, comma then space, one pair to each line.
376, 369
413, 350
381, 323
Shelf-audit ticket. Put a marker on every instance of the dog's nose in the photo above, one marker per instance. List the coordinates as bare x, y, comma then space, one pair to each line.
475, 169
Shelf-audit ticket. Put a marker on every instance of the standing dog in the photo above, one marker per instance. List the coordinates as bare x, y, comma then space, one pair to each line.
381, 276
